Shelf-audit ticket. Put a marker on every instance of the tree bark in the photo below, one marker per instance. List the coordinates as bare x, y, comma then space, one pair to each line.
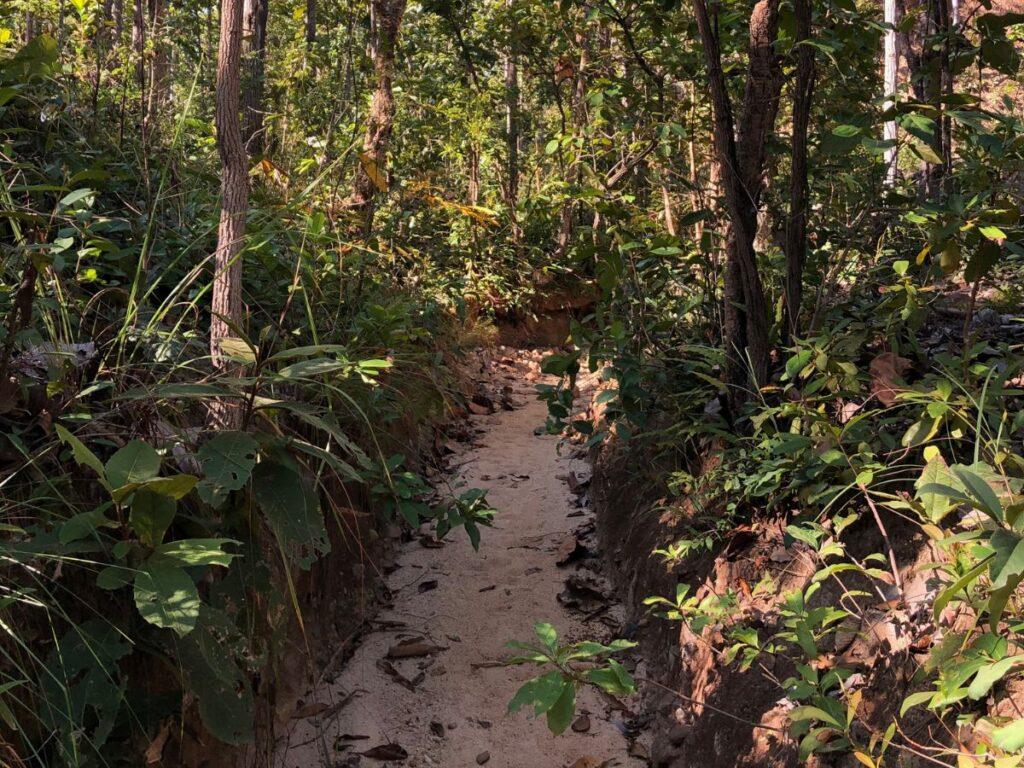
310, 23
796, 226
385, 22
740, 157
158, 60
567, 215
254, 63
118, 21
890, 69
511, 74
927, 51
227, 280
139, 50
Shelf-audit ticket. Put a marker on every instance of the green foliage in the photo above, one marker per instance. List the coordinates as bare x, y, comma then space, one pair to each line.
553, 694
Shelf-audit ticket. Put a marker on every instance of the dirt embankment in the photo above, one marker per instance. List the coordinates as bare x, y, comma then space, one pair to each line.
546, 323
706, 713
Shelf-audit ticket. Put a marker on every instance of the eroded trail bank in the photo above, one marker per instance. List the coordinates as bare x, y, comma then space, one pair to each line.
446, 705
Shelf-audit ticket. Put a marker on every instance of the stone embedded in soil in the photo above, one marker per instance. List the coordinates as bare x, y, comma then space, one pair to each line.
483, 757
581, 724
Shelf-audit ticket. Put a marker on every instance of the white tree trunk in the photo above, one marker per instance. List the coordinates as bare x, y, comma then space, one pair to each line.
890, 65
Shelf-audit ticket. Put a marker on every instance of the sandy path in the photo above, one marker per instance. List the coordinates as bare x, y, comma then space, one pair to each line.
482, 599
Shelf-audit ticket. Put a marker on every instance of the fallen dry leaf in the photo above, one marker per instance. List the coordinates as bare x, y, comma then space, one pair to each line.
886, 370
386, 753
316, 708
571, 550
155, 751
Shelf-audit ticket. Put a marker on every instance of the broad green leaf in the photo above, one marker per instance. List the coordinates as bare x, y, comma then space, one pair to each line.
307, 369
292, 511
151, 514
197, 551
547, 634
114, 577
77, 196
297, 352
227, 460
799, 714
935, 472
166, 596
238, 349
980, 491
915, 699
797, 363
989, 675
135, 463
985, 256
84, 525
1010, 737
212, 675
1008, 563
920, 432
547, 689
561, 712
523, 697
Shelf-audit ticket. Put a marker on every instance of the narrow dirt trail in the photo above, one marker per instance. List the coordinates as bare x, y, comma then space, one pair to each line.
455, 715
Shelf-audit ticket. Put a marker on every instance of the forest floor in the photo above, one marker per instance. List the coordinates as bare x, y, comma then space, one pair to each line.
454, 609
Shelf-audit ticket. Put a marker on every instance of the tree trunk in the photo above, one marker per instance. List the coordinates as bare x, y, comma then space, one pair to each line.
567, 215
890, 68
310, 23
227, 280
796, 226
667, 212
385, 21
511, 72
926, 49
139, 50
473, 174
158, 60
741, 162
254, 62
118, 22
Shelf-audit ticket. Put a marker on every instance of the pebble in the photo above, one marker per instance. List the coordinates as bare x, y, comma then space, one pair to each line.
483, 757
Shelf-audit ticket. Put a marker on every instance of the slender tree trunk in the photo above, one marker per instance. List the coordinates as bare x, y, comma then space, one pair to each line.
310, 24
30, 26
567, 216
667, 212
254, 62
796, 226
139, 50
385, 22
926, 48
227, 280
158, 60
473, 174
118, 22
741, 163
511, 73
890, 68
